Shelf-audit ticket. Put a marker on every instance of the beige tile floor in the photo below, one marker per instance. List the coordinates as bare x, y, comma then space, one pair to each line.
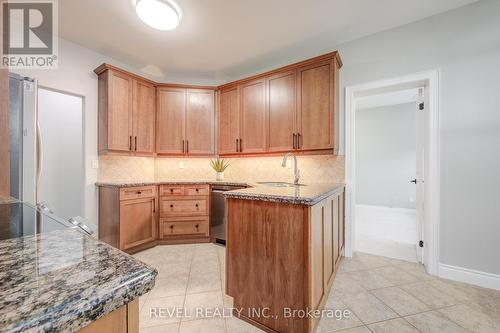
381, 294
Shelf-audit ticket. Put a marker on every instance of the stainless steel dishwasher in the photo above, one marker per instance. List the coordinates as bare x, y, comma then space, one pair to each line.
218, 211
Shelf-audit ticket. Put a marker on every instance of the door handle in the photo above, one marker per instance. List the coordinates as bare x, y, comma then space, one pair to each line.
414, 181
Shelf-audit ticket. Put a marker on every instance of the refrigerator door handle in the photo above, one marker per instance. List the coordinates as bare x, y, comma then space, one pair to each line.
39, 156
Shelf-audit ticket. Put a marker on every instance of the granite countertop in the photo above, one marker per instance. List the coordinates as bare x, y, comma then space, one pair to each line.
309, 194
172, 182
63, 280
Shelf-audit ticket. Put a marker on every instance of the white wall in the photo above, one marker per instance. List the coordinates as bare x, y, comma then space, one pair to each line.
465, 45
386, 155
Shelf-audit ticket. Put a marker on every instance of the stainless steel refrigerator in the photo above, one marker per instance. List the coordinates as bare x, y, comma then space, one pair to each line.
28, 166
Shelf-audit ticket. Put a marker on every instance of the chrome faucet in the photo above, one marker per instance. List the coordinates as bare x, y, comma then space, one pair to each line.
296, 170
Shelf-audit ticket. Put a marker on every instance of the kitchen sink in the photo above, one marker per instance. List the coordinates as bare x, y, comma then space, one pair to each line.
279, 184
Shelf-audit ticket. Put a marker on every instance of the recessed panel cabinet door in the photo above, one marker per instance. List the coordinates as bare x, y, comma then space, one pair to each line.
253, 117
315, 88
200, 115
137, 222
229, 121
171, 118
120, 112
282, 111
144, 117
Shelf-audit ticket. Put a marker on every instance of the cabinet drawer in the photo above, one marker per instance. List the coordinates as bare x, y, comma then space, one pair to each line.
183, 227
196, 190
171, 190
183, 207
137, 192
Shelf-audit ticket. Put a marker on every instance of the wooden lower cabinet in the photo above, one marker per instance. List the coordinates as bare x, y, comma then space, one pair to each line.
184, 213
280, 258
122, 320
128, 217
135, 218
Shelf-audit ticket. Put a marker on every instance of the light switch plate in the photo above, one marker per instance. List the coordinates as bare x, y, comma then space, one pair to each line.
95, 164
181, 165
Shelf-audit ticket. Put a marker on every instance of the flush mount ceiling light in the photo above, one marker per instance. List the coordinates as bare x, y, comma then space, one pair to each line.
159, 14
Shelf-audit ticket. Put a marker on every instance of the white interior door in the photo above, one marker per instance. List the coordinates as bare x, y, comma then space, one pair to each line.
419, 177
61, 185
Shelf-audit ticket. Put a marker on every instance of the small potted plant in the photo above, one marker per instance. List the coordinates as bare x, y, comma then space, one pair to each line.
219, 165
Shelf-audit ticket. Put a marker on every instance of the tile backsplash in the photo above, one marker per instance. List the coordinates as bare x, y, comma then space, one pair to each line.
313, 169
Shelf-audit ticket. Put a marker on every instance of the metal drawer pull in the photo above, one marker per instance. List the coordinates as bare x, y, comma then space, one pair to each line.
196, 205
197, 190
171, 206
171, 190
139, 192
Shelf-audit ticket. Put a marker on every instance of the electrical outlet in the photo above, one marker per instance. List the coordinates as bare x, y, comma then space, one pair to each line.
181, 165
95, 164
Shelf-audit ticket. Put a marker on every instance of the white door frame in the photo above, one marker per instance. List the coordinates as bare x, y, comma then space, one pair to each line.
430, 80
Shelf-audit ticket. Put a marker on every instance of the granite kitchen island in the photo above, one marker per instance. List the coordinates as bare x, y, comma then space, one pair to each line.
284, 245
54, 278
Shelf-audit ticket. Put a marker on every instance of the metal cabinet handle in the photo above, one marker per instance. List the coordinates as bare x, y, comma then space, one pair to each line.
171, 206
139, 192
197, 190
154, 205
299, 141
136, 143
294, 141
196, 227
171, 190
187, 146
196, 205
183, 147
171, 227
241, 149
237, 149
130, 143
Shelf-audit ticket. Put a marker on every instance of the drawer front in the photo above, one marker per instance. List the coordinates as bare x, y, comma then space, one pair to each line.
179, 207
137, 192
171, 190
184, 227
196, 190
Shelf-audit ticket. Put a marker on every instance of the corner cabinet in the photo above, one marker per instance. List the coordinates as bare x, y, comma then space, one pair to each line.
294, 108
126, 122
185, 121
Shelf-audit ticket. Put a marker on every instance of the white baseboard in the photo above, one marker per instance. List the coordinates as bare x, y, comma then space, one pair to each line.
478, 278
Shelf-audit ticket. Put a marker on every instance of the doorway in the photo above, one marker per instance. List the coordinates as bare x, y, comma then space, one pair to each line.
61, 163
391, 216
386, 169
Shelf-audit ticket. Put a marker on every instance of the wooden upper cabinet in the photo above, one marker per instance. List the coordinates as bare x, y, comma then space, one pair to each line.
119, 112
200, 114
144, 117
282, 111
126, 118
171, 121
253, 138
315, 103
229, 120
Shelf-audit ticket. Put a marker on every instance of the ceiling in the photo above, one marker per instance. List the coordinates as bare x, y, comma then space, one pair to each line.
223, 40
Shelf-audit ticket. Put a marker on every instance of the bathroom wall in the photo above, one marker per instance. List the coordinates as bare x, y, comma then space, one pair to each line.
314, 169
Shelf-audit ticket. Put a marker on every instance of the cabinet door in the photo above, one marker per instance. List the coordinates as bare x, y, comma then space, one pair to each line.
317, 269
120, 112
328, 242
334, 203
171, 121
229, 120
315, 100
137, 222
282, 111
144, 117
200, 115
253, 117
